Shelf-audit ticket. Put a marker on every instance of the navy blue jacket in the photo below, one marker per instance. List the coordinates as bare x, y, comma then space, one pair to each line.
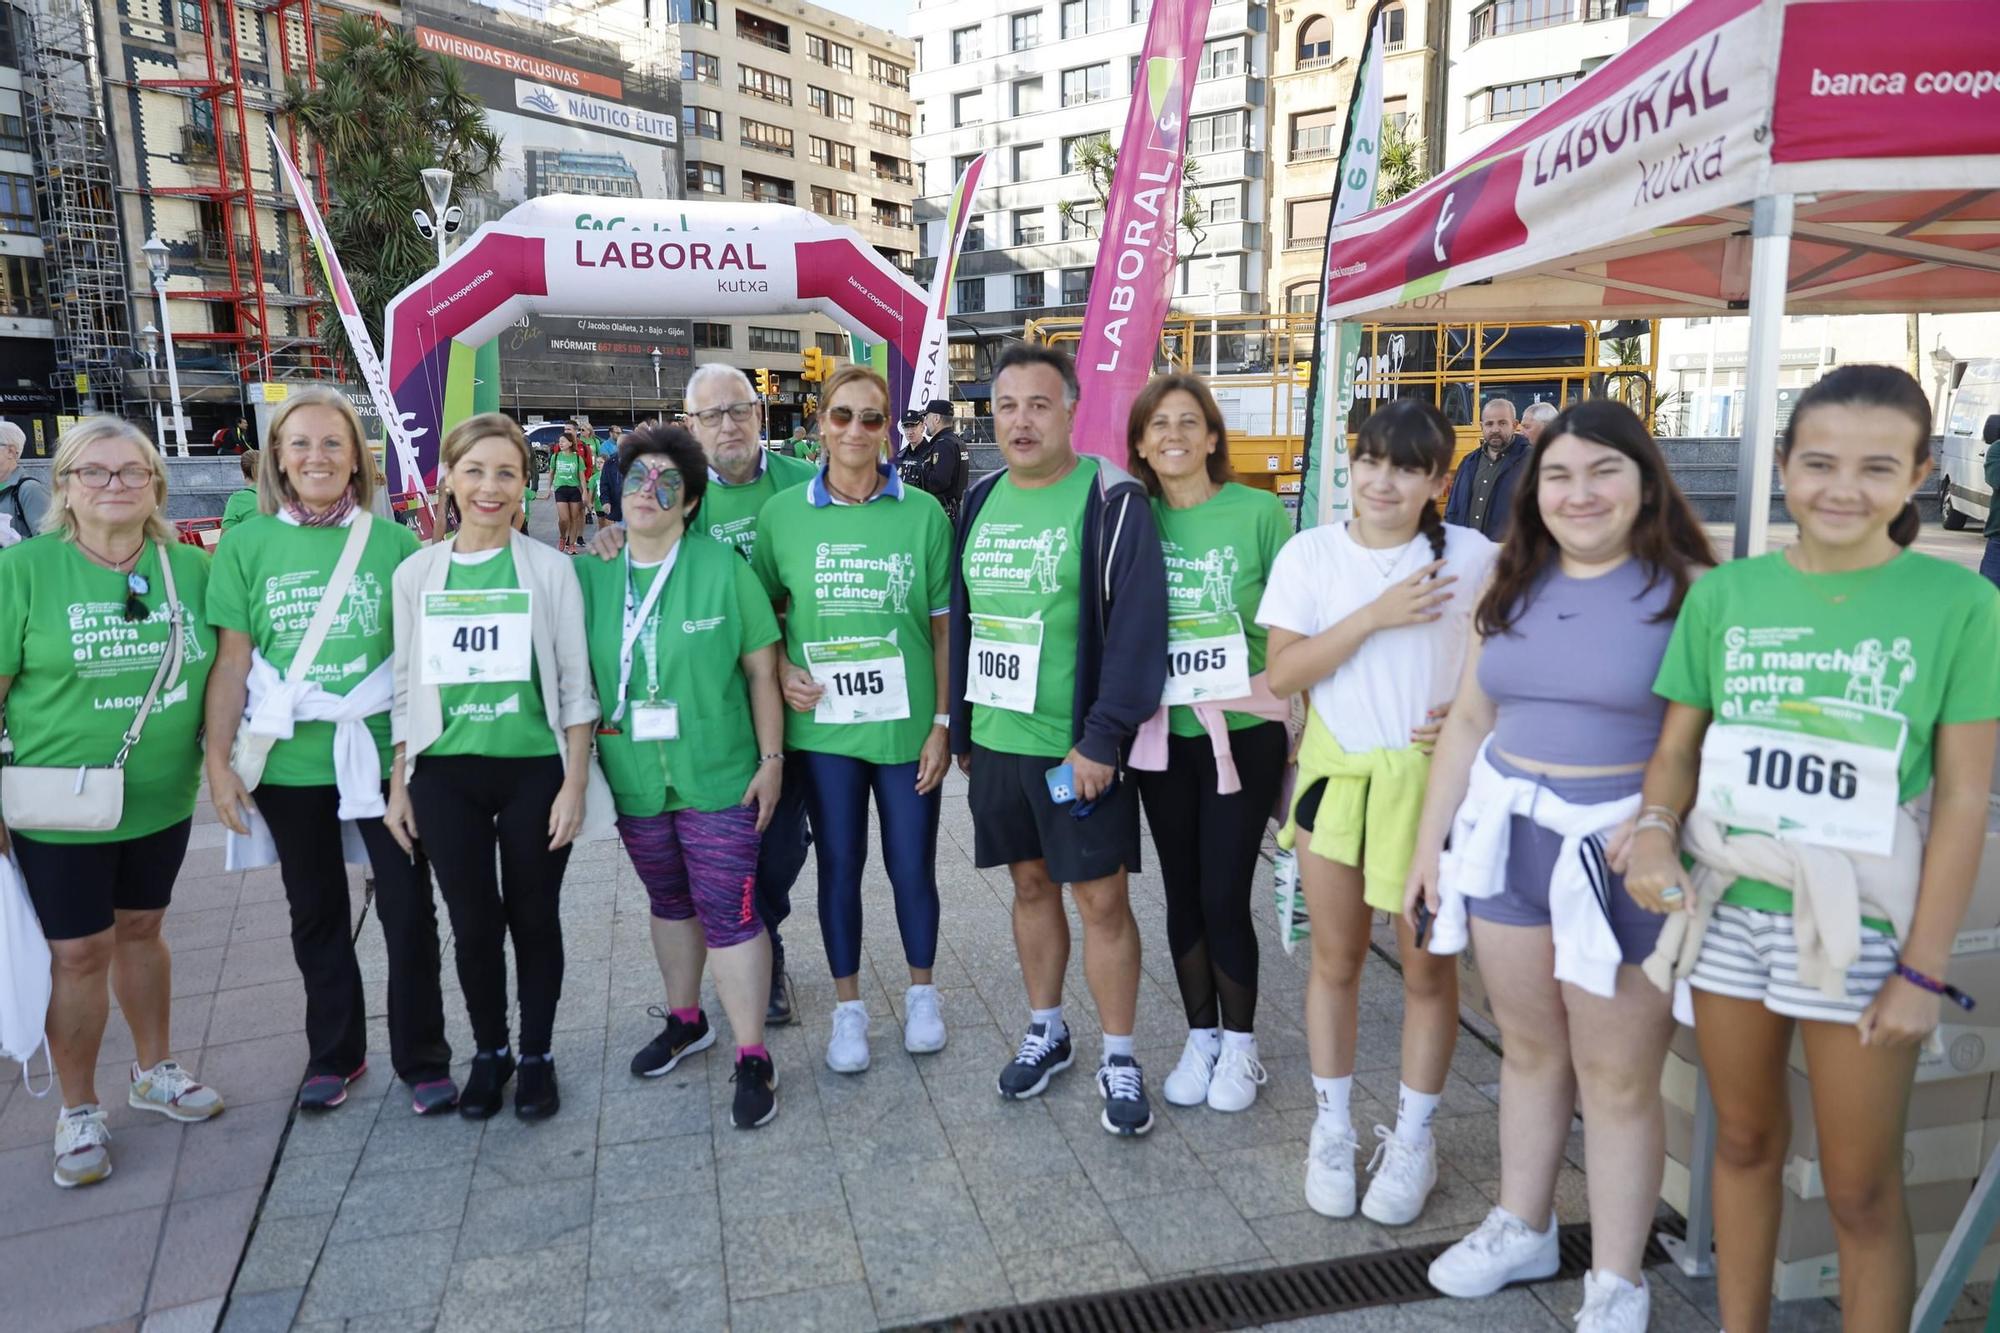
1499, 512
1121, 654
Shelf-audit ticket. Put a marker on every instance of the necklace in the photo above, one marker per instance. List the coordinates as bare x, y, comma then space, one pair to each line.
839, 494
121, 566
1383, 568
1860, 578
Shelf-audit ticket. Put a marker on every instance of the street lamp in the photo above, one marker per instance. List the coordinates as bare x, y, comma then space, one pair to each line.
149, 344
1214, 318
444, 217
156, 260
658, 411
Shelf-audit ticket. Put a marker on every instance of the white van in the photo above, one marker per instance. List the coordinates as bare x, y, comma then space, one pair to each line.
1971, 425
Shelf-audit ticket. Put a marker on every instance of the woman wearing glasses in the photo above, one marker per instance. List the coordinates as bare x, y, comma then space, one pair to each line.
860, 566
94, 614
493, 692
683, 650
324, 739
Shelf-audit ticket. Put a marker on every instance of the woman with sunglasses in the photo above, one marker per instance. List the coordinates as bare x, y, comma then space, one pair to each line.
86, 613
860, 567
683, 647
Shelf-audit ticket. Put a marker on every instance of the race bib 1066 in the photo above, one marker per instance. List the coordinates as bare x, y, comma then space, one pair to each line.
1815, 770
477, 638
1207, 658
1006, 658
864, 679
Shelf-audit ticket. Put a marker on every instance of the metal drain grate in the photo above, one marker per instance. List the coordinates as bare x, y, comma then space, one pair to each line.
1245, 1300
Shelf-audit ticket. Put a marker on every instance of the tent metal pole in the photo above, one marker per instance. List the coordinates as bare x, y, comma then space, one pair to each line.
1770, 263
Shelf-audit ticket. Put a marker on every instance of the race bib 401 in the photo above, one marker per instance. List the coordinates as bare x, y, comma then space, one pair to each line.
477, 638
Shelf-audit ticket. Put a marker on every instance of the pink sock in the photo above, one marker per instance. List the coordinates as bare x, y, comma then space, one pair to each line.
688, 1016
757, 1050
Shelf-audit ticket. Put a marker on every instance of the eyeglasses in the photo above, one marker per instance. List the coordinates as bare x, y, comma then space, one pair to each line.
132, 476
653, 479
710, 416
844, 415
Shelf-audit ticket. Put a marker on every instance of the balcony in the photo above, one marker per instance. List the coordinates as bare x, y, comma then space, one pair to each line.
783, 98
898, 222
763, 32
780, 149
765, 194
901, 131
1313, 147
198, 145
1306, 242
211, 249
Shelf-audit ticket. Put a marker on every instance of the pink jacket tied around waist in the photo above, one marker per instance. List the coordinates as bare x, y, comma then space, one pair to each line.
1149, 747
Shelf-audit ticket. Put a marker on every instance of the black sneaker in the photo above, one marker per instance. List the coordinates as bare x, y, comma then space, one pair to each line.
756, 1080
1038, 1059
485, 1086
535, 1093
676, 1039
778, 1013
1127, 1113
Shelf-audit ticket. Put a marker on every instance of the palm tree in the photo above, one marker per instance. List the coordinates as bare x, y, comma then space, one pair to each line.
1402, 166
384, 110
1097, 159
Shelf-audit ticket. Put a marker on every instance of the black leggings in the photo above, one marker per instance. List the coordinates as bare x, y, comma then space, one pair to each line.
466, 807
305, 825
1208, 845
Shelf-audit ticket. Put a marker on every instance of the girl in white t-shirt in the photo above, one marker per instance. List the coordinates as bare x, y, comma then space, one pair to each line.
1370, 617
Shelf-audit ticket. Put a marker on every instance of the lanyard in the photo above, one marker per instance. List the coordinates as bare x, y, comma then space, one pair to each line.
635, 620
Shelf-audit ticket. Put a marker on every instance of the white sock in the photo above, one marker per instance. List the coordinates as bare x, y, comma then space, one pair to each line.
1414, 1112
1239, 1041
1117, 1046
1206, 1041
80, 1106
862, 1005
1051, 1021
1334, 1096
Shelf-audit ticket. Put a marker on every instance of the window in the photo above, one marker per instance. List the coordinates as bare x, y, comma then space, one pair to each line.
1082, 16
830, 154
761, 189
889, 213
965, 45
832, 203
698, 68
761, 83
1305, 221
975, 235
701, 13
1028, 291
888, 71
901, 259
1216, 134
833, 344
964, 109
1511, 101
1028, 228
1071, 147
1315, 42
704, 178
888, 167
1392, 28
1315, 134
1027, 162
701, 123
1302, 298
1224, 204
764, 32
1611, 9
21, 291
1082, 221
836, 106
13, 133
190, 12
1024, 31
1507, 16
1027, 97
959, 164
1220, 60
970, 294
1396, 111
711, 336
1092, 83
829, 53
17, 204
1075, 286
887, 121
773, 340
768, 138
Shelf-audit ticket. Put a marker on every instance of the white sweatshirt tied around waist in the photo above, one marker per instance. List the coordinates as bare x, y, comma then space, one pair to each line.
1475, 866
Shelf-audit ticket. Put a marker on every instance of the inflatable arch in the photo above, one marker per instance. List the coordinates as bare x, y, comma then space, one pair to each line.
579, 256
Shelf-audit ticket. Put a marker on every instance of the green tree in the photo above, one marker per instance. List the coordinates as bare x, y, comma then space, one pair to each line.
384, 110
1096, 158
1404, 164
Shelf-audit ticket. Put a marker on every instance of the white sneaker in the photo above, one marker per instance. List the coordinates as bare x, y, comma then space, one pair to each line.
171, 1091
847, 1049
1504, 1249
1613, 1305
1403, 1176
1330, 1173
1237, 1077
83, 1155
1187, 1085
923, 1021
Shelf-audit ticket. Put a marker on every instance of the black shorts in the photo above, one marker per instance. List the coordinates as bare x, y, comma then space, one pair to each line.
77, 887
1015, 819
569, 494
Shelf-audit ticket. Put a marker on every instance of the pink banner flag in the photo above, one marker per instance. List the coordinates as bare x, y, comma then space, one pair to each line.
1133, 285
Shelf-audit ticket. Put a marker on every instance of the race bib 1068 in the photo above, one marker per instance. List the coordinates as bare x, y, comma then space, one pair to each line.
477, 638
1006, 658
864, 679
1207, 658
1813, 770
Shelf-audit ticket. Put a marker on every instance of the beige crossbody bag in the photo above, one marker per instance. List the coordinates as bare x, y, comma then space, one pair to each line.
86, 798
249, 751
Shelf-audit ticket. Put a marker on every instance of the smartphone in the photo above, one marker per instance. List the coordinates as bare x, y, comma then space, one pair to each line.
1062, 783
1084, 809
1423, 921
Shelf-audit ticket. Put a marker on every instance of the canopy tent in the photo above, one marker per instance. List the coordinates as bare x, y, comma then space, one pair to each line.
1768, 156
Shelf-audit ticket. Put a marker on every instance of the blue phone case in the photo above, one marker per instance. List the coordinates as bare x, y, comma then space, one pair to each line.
1062, 783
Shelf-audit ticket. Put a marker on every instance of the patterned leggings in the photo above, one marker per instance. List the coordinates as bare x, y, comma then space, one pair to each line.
699, 863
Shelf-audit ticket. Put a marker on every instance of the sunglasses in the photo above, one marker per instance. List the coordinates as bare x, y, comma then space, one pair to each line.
844, 416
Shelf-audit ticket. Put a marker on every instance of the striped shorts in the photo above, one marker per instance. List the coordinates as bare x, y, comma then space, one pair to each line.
1753, 955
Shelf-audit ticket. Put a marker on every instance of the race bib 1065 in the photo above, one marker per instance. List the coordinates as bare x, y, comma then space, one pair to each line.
1207, 658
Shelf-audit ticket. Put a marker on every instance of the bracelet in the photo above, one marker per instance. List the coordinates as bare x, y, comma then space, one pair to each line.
941, 720
1672, 830
770, 758
1665, 812
1935, 987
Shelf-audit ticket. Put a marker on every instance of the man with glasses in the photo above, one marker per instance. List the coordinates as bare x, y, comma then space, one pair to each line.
23, 499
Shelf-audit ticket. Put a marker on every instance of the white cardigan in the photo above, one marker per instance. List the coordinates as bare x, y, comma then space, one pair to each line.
562, 653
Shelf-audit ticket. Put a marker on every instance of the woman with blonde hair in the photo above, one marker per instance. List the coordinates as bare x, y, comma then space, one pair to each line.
493, 690
104, 645
300, 602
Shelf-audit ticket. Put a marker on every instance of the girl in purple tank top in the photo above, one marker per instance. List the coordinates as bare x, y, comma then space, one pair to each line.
1549, 734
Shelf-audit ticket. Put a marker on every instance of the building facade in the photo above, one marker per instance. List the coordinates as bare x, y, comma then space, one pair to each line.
1510, 58
794, 104
27, 326
1034, 82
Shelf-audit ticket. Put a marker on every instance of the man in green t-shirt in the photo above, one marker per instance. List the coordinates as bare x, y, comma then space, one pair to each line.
1058, 654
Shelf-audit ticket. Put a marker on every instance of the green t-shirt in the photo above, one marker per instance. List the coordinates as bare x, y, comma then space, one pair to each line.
240, 506
858, 572
1218, 556
1916, 636
1023, 560
81, 670
268, 578
504, 720
729, 513
566, 469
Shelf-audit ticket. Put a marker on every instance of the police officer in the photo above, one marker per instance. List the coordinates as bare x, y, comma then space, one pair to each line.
937, 462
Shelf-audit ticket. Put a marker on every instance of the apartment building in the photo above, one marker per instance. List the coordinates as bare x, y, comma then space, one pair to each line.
788, 103
1317, 50
1510, 58
27, 326
1034, 81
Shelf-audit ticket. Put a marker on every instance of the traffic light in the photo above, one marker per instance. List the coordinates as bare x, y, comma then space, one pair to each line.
765, 387
818, 366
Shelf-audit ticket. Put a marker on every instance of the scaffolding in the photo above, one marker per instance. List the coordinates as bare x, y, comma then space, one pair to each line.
76, 205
